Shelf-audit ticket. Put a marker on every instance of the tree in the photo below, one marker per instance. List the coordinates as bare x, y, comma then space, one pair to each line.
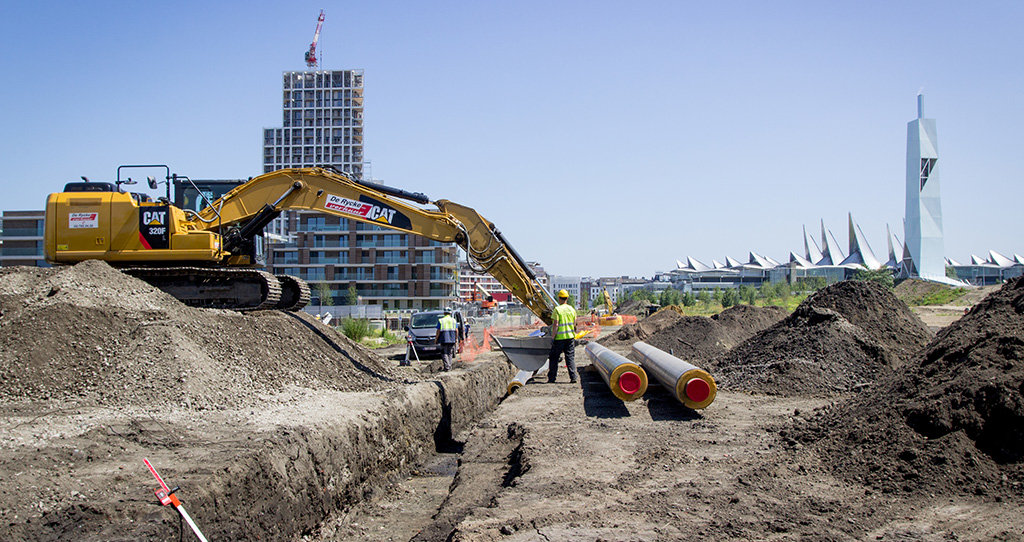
704, 297
729, 297
689, 299
323, 291
747, 294
881, 276
669, 296
642, 295
584, 299
352, 296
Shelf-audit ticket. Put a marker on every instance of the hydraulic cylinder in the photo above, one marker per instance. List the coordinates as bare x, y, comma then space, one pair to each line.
627, 380
692, 385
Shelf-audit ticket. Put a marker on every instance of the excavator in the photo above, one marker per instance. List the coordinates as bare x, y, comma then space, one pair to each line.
207, 258
609, 318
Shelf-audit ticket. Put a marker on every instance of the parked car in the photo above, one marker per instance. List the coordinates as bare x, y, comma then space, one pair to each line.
422, 330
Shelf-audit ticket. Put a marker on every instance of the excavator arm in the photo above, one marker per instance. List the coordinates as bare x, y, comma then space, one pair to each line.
244, 211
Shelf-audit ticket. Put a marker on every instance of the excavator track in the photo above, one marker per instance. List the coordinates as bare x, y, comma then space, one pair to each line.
235, 289
294, 293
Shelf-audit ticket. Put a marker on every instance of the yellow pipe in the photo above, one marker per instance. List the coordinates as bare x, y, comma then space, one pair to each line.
626, 379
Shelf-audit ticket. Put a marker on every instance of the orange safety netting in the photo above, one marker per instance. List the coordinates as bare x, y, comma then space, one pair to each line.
472, 347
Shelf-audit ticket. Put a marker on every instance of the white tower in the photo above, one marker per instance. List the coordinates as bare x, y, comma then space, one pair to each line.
923, 255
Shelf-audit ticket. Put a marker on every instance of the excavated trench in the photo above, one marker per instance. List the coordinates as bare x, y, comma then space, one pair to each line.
273, 425
319, 473
297, 469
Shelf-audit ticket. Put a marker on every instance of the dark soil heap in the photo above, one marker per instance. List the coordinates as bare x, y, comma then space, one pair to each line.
699, 339
844, 337
635, 307
640, 331
953, 423
89, 332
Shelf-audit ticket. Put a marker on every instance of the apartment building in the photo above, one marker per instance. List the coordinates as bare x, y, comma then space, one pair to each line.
322, 124
469, 279
21, 238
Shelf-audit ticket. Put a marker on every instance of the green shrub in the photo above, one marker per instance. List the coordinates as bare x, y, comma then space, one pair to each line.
355, 328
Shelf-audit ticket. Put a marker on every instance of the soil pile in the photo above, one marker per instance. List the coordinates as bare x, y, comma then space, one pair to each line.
699, 339
922, 292
88, 332
841, 338
953, 423
636, 307
640, 331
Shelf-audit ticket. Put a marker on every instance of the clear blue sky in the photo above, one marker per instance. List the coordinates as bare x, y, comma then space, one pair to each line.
660, 130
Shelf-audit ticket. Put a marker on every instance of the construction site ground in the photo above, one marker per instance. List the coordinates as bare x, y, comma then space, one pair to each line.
280, 447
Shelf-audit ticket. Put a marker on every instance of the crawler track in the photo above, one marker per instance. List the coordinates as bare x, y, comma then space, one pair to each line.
235, 289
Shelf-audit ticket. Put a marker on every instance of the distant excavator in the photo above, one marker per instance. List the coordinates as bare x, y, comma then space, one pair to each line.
610, 318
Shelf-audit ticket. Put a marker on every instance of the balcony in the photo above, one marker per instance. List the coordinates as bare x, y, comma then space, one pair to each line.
12, 233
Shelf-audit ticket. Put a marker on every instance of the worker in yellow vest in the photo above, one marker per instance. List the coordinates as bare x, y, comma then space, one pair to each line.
563, 327
447, 336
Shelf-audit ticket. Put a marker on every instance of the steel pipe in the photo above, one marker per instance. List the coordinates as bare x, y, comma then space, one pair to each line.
625, 378
693, 386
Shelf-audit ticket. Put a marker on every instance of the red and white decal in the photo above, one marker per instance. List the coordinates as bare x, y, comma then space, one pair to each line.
359, 208
83, 220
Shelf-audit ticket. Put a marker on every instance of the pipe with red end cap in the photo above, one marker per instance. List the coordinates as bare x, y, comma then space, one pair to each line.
692, 385
627, 380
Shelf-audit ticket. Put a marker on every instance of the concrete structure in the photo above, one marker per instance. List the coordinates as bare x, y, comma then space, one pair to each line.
21, 238
996, 269
322, 125
923, 250
567, 283
322, 122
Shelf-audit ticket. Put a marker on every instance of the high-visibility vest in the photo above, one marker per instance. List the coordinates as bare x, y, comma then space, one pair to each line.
447, 323
448, 327
565, 319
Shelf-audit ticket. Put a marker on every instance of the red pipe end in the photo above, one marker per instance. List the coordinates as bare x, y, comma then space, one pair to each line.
629, 382
697, 390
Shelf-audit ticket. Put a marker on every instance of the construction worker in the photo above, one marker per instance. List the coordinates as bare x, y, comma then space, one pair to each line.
563, 327
447, 336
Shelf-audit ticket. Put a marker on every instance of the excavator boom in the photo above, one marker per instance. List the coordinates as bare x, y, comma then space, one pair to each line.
316, 189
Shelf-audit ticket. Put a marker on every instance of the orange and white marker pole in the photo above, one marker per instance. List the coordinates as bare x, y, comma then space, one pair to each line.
167, 496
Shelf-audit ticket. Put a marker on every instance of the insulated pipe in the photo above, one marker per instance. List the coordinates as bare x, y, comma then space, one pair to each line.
693, 386
625, 378
518, 381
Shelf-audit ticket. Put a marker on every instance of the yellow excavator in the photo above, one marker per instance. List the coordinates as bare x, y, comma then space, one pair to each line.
610, 318
206, 258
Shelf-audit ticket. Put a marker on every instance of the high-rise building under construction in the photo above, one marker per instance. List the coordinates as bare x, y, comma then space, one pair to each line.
322, 124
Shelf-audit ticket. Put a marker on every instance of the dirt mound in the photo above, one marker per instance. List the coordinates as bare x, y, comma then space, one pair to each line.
89, 332
640, 331
953, 423
843, 337
636, 307
699, 339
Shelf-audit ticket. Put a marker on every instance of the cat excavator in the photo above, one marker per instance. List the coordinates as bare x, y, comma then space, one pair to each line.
207, 258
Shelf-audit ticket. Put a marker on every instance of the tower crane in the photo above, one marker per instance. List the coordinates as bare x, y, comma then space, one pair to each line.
311, 60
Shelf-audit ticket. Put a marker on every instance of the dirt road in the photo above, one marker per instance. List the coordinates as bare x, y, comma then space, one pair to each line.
572, 462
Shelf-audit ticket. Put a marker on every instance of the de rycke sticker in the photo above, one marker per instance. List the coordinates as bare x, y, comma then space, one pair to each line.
367, 208
83, 220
